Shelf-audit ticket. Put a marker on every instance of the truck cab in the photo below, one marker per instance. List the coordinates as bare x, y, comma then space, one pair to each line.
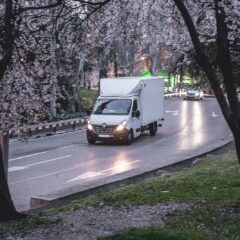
115, 120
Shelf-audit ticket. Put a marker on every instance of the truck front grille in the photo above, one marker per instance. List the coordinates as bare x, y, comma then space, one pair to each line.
107, 130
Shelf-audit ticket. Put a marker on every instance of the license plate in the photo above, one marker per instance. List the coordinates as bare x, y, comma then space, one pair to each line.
105, 135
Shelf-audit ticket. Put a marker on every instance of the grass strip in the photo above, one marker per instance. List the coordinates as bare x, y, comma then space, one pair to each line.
213, 185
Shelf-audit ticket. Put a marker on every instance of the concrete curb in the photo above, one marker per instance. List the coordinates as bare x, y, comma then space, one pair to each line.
119, 180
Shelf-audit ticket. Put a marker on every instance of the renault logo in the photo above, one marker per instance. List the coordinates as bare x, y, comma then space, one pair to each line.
104, 126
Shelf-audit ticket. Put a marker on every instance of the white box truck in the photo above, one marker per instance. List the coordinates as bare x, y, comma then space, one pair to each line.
126, 107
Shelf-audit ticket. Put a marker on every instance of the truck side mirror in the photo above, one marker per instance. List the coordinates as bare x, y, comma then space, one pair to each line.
136, 114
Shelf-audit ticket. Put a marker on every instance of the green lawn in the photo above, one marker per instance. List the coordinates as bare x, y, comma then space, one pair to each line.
212, 185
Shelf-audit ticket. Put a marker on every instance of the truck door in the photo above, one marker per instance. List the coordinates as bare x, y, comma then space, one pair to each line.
136, 120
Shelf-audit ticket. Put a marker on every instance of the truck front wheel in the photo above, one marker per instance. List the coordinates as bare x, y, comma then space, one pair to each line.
153, 128
130, 138
91, 141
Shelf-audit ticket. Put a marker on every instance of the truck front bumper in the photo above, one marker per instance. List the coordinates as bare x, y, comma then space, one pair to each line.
117, 136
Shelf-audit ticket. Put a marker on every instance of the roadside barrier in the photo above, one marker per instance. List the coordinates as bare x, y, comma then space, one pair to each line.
48, 129
169, 95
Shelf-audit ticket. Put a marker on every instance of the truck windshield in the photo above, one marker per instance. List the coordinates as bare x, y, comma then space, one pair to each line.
112, 106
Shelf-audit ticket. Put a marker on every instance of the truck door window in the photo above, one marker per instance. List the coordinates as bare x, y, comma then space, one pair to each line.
135, 106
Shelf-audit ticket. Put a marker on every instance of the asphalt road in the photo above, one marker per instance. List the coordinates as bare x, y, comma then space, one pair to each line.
48, 164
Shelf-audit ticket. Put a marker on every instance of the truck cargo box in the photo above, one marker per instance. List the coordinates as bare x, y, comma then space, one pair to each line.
152, 100
149, 90
120, 87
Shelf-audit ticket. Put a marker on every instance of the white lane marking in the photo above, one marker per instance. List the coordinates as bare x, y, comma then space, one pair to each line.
173, 112
26, 156
17, 168
214, 115
67, 146
60, 132
161, 140
49, 174
100, 173
54, 173
12, 169
50, 160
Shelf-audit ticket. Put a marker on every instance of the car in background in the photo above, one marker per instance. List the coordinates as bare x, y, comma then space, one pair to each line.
167, 92
194, 93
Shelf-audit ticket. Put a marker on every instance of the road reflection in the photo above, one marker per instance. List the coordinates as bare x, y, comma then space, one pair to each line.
197, 125
191, 135
122, 164
183, 114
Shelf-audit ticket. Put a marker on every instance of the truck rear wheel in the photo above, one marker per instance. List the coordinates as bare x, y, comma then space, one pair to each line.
153, 128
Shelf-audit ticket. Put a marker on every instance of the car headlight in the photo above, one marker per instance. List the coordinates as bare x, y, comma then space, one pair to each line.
89, 126
121, 126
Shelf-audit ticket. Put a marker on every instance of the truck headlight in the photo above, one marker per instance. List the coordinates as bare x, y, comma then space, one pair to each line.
89, 126
121, 126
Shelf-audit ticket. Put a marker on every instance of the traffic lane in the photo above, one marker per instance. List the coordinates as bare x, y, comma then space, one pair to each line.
189, 116
205, 126
181, 120
17, 149
153, 155
56, 181
57, 177
35, 161
62, 158
44, 162
148, 157
35, 145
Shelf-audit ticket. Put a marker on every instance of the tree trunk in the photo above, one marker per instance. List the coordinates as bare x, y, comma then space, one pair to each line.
53, 102
4, 142
181, 75
154, 60
115, 65
7, 209
8, 38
